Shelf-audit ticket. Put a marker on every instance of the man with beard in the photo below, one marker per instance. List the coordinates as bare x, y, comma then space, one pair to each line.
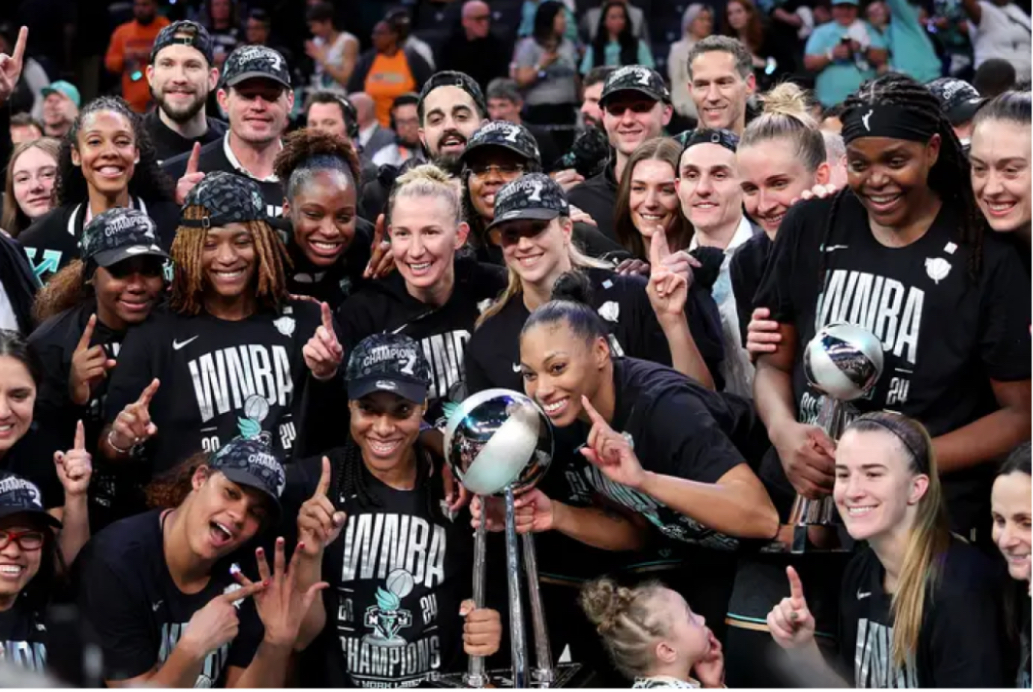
450, 109
61, 103
256, 94
591, 92
181, 77
130, 49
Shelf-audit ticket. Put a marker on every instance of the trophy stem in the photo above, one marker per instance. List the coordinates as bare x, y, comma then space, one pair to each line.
518, 644
542, 675
475, 676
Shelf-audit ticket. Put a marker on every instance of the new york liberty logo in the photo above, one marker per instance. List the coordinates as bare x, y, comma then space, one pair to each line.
387, 617
256, 409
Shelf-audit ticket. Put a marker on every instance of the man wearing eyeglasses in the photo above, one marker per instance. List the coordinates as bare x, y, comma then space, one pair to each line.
636, 106
474, 48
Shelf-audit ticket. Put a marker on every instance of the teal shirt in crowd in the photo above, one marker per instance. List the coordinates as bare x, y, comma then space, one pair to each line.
911, 51
842, 77
613, 56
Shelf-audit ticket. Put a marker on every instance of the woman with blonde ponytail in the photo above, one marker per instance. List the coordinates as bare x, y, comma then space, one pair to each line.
919, 607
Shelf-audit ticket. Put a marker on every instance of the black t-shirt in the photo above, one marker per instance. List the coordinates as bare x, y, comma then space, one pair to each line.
493, 354
961, 642
746, 270
53, 240
139, 614
1022, 679
214, 157
597, 197
330, 285
23, 636
219, 379
398, 574
114, 492
936, 370
168, 143
386, 306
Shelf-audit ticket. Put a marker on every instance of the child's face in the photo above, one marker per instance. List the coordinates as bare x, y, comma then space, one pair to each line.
689, 635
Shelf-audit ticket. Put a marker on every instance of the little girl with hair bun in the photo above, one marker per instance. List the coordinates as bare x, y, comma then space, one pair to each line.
653, 636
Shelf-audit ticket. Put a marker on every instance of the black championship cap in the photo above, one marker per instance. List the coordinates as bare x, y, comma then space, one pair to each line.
118, 234
388, 363
255, 62
534, 196
460, 80
958, 99
184, 33
227, 198
635, 78
19, 496
507, 135
250, 462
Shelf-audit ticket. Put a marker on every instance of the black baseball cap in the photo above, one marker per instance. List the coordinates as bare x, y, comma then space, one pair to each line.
227, 198
19, 496
251, 462
118, 234
388, 363
184, 33
459, 80
534, 196
635, 78
958, 99
251, 62
506, 135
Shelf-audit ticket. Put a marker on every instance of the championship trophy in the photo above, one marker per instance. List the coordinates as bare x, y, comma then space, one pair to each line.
843, 362
498, 442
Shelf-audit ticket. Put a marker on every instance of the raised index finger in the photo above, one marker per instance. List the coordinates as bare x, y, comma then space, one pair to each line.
195, 159
592, 413
658, 247
328, 319
148, 393
80, 436
87, 334
795, 586
324, 479
19, 46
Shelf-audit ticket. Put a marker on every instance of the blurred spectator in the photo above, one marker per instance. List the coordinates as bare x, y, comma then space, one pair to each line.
843, 53
257, 28
24, 128
904, 35
331, 112
333, 52
697, 23
545, 67
181, 76
994, 77
28, 96
959, 101
590, 22
614, 43
405, 121
505, 103
835, 156
474, 48
222, 19
61, 103
29, 189
130, 50
529, 11
830, 119
372, 137
592, 91
387, 71
722, 79
1000, 29
399, 18
742, 21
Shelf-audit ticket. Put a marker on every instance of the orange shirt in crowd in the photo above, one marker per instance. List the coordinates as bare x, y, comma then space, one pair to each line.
388, 78
128, 54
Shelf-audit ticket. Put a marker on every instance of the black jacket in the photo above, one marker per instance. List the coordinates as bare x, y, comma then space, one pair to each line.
597, 197
169, 144
19, 283
484, 59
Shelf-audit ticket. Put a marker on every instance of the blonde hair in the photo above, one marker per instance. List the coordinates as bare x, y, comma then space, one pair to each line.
578, 260
629, 622
785, 116
427, 180
929, 537
14, 221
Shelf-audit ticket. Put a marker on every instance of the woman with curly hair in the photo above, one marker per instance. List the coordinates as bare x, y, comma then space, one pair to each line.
226, 359
106, 161
328, 244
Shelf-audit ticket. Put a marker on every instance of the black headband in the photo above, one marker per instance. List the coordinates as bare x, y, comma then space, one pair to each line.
879, 423
894, 122
723, 138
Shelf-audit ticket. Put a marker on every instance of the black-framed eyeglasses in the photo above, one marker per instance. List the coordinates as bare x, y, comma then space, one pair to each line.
29, 539
504, 170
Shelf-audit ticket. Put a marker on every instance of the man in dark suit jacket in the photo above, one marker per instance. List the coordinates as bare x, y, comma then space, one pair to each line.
474, 48
372, 137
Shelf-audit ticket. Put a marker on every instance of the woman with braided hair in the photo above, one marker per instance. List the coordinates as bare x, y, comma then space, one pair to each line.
653, 636
226, 359
373, 523
903, 253
107, 160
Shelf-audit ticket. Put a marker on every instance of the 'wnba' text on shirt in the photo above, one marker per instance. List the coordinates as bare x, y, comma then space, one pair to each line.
376, 544
224, 379
873, 659
26, 655
214, 663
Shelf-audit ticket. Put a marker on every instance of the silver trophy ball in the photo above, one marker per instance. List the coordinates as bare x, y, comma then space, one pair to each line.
498, 438
843, 361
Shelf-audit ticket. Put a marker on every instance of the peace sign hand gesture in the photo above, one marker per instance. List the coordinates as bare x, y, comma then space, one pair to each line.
667, 289
11, 66
611, 451
75, 467
133, 425
319, 523
323, 353
791, 622
89, 366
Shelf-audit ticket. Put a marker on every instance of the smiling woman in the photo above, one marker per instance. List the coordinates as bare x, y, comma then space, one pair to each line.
106, 161
29, 189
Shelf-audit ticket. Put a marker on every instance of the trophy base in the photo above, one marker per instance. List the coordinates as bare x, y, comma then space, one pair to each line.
564, 675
